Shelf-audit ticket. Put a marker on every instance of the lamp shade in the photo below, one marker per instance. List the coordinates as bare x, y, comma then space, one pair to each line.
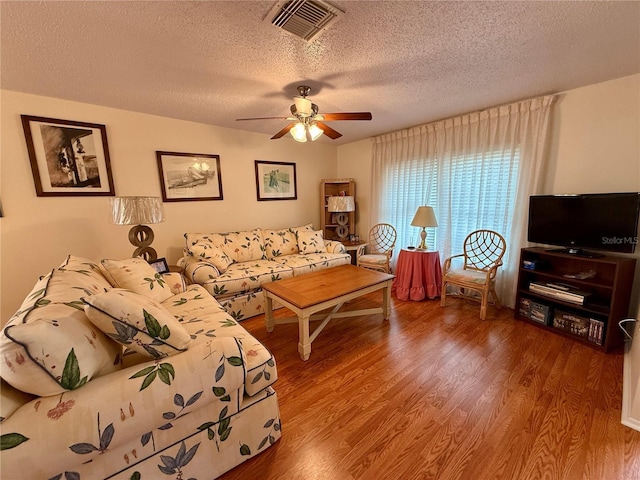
315, 132
424, 217
299, 132
136, 210
341, 204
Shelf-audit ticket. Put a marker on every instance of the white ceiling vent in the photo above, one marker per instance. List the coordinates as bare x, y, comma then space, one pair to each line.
305, 19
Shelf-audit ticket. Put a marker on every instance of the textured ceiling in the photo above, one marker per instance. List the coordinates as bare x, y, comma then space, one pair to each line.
407, 62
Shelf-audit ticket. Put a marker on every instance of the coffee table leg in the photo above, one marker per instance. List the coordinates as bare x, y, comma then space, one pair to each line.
268, 314
386, 301
304, 345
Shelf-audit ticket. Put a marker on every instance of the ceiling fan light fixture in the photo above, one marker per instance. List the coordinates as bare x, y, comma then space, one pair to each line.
299, 132
315, 132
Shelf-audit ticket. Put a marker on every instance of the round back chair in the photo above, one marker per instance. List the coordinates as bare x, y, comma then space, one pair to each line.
483, 252
382, 240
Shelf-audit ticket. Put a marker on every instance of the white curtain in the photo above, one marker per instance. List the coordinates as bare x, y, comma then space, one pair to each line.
477, 171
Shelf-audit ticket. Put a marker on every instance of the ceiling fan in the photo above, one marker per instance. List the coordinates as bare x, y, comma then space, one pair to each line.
307, 123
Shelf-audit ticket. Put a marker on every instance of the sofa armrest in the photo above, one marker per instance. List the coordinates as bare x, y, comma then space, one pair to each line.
122, 406
333, 246
197, 270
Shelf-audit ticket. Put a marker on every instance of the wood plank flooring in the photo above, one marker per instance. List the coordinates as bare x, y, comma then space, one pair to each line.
436, 393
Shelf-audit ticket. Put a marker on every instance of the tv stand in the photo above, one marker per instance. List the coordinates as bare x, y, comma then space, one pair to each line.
578, 252
606, 290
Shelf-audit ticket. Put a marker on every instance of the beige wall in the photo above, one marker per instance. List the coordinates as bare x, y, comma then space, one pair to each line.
354, 161
595, 139
37, 233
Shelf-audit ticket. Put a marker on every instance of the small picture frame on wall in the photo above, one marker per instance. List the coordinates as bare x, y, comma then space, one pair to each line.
68, 158
160, 265
275, 180
189, 176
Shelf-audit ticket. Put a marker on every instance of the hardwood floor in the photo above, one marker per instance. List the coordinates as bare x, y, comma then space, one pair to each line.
436, 393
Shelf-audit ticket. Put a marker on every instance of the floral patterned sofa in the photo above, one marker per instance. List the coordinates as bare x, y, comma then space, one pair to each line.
233, 266
193, 400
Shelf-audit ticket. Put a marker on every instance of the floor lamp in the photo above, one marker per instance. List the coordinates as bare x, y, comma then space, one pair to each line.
424, 217
138, 211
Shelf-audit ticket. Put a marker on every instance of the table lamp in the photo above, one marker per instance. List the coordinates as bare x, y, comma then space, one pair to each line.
341, 205
424, 217
138, 211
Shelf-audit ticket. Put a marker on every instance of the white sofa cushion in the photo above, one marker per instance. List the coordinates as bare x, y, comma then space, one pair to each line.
279, 242
211, 254
204, 319
137, 275
49, 345
246, 276
238, 246
311, 262
310, 241
137, 322
282, 242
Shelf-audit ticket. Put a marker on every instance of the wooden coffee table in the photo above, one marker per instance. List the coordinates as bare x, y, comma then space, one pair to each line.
309, 294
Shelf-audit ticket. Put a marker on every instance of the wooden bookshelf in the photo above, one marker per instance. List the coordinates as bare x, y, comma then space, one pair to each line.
331, 188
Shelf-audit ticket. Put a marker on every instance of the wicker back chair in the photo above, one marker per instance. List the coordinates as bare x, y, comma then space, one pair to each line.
382, 240
483, 252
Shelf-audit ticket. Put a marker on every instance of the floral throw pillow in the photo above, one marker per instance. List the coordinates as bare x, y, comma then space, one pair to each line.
213, 255
137, 275
278, 243
311, 242
137, 322
49, 345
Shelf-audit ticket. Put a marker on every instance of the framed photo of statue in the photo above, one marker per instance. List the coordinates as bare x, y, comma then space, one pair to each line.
275, 180
189, 176
68, 158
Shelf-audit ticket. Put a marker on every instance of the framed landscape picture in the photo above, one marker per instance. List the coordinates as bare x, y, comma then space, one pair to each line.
189, 176
275, 180
68, 158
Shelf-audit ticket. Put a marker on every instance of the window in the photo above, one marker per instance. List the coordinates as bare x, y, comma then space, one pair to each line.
473, 191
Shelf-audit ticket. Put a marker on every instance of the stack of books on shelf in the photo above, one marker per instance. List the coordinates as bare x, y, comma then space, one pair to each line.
560, 291
590, 329
596, 331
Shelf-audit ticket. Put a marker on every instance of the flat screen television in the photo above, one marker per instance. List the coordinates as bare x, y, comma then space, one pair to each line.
579, 223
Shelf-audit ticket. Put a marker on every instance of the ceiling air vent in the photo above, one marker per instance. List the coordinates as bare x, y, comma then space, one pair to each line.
305, 19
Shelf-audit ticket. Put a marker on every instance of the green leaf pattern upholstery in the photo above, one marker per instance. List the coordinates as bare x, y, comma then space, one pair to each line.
49, 345
238, 285
137, 322
194, 414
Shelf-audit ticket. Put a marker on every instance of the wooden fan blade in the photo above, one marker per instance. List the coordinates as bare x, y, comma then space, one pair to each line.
328, 131
262, 118
283, 132
347, 116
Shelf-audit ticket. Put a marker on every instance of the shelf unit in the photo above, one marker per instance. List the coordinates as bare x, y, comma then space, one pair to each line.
609, 288
331, 188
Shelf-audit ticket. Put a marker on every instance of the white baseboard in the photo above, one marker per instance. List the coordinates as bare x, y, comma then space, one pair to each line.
627, 399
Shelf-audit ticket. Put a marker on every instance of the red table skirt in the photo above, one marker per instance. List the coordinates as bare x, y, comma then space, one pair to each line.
418, 275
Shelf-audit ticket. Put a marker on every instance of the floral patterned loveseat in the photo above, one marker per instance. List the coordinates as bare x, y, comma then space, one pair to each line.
192, 401
233, 266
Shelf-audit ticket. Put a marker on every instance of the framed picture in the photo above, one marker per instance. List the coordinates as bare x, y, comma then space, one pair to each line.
189, 176
275, 180
160, 265
68, 158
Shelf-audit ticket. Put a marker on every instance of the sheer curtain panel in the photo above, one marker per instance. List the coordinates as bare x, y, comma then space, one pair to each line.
476, 171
